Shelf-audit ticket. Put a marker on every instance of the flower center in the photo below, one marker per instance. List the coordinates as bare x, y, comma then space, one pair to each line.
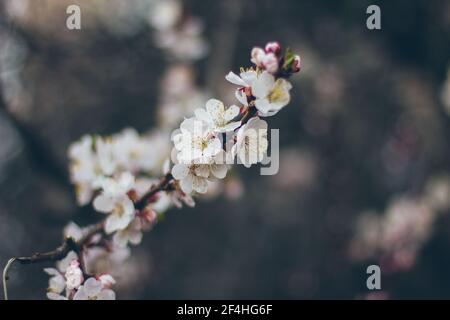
276, 94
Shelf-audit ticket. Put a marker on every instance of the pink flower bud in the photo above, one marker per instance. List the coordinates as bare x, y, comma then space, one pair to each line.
273, 47
270, 63
297, 64
107, 280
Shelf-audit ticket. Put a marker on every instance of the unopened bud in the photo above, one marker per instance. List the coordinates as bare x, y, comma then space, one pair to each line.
273, 47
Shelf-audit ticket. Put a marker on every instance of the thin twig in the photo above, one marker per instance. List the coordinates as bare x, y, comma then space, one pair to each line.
5, 276
71, 245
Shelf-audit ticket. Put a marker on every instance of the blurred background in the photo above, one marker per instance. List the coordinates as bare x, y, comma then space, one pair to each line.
364, 144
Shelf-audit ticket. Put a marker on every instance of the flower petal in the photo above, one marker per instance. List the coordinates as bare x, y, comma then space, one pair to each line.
81, 294
200, 184
106, 294
202, 171
92, 287
103, 203
235, 79
231, 113
186, 184
180, 171
219, 170
202, 115
116, 222
262, 85
215, 108
241, 96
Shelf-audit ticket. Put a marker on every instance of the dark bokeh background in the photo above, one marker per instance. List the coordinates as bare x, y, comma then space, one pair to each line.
366, 124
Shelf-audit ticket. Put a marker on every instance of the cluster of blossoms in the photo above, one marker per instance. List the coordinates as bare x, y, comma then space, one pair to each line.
176, 32
67, 281
211, 140
396, 236
117, 173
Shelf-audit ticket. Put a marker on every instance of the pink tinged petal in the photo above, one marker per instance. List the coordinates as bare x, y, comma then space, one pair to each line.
235, 79
263, 84
92, 287
231, 113
219, 170
107, 280
180, 171
106, 294
186, 184
103, 204
256, 55
200, 184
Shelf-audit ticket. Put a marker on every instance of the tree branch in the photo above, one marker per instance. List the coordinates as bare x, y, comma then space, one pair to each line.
70, 244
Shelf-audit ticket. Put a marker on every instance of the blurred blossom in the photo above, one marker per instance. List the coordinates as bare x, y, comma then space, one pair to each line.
445, 93
180, 36
16, 8
185, 42
12, 56
395, 237
127, 270
165, 14
437, 194
298, 169
377, 295
179, 96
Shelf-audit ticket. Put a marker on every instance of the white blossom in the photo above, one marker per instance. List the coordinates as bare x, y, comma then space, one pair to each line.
74, 275
133, 152
192, 177
72, 230
57, 282
271, 95
217, 117
131, 234
93, 289
195, 142
251, 144
265, 60
82, 168
63, 264
115, 201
